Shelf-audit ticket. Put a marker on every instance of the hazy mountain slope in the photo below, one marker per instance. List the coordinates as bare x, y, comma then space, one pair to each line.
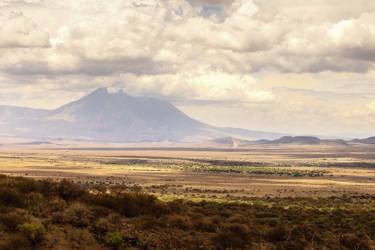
9, 114
114, 117
17, 120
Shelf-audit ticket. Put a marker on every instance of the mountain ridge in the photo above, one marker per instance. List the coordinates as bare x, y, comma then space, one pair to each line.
292, 140
117, 116
303, 140
369, 140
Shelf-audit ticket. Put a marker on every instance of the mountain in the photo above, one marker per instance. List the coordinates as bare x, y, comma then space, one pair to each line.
302, 140
117, 117
370, 140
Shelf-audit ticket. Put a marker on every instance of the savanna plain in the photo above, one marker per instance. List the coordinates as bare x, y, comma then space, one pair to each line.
258, 197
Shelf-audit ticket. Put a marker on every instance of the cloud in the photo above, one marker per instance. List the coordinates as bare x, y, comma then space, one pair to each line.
315, 11
201, 85
371, 107
355, 37
212, 1
18, 31
170, 36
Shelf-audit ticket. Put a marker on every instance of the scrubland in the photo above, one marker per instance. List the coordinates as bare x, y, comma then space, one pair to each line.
61, 215
270, 198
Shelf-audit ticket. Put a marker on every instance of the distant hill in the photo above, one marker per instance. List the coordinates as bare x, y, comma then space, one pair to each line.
302, 140
117, 117
299, 140
370, 140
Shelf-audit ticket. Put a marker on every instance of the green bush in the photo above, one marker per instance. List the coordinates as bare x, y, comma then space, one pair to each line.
115, 240
34, 232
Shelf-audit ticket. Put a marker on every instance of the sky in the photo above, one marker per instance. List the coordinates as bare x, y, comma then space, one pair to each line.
290, 66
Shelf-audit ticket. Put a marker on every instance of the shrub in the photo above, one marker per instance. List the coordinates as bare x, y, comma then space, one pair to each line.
16, 242
34, 202
12, 219
25, 185
69, 191
130, 204
354, 242
206, 225
179, 221
233, 236
103, 225
115, 240
34, 232
47, 188
277, 234
77, 214
56, 204
11, 197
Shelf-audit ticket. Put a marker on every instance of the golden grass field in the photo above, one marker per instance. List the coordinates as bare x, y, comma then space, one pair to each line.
212, 174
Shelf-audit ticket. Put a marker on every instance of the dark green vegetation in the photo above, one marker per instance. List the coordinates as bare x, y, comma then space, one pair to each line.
261, 171
49, 215
220, 166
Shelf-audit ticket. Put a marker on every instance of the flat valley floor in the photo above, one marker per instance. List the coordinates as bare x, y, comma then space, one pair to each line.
204, 173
